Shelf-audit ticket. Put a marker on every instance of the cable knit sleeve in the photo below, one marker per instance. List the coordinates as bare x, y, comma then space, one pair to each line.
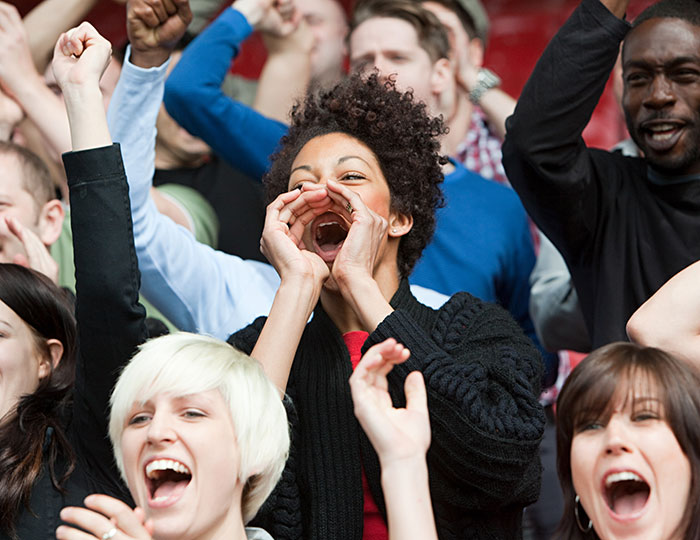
482, 376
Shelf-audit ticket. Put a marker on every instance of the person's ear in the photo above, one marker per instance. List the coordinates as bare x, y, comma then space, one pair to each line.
55, 354
475, 52
399, 224
441, 76
51, 219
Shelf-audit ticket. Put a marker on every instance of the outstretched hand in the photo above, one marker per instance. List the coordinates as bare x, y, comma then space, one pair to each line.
396, 434
154, 27
104, 517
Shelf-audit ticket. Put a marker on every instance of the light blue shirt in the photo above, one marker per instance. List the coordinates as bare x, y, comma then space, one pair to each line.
196, 287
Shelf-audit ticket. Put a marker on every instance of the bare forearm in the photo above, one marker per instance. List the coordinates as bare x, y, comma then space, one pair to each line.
497, 105
368, 302
88, 121
46, 110
407, 496
277, 345
45, 23
284, 78
670, 319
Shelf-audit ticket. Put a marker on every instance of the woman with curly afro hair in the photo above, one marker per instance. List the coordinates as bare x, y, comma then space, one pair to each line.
354, 190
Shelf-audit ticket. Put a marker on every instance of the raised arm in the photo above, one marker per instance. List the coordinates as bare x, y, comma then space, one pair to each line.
194, 98
286, 73
45, 23
19, 76
110, 319
544, 155
670, 319
195, 287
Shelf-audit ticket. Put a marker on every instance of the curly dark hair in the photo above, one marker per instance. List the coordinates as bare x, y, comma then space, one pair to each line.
396, 128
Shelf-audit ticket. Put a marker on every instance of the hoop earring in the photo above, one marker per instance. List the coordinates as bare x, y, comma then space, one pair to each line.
577, 502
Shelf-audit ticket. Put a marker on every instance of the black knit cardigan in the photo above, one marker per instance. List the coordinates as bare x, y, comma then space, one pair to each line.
482, 376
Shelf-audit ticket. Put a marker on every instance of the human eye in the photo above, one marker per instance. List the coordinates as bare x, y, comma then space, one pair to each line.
592, 426
686, 75
353, 176
644, 415
636, 78
589, 424
139, 418
193, 413
298, 184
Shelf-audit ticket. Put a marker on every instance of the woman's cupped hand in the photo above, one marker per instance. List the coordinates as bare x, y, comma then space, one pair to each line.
282, 240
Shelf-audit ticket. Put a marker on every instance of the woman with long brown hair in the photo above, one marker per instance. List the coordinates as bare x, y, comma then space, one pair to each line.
628, 446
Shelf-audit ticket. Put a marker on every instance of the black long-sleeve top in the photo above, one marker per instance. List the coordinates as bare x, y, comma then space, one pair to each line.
623, 229
110, 326
482, 377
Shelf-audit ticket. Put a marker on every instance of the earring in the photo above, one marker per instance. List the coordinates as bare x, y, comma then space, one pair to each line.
577, 503
393, 231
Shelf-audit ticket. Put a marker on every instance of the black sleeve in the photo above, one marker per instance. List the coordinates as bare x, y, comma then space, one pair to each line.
111, 322
482, 376
544, 154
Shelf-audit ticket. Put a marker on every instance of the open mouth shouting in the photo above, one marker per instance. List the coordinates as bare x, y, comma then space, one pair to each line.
661, 135
328, 232
626, 494
166, 480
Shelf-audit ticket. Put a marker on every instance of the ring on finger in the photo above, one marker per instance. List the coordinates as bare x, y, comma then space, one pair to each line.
109, 534
349, 208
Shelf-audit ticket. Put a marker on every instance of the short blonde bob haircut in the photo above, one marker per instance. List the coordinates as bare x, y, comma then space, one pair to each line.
183, 364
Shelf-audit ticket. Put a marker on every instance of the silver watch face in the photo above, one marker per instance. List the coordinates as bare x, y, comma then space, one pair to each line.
487, 78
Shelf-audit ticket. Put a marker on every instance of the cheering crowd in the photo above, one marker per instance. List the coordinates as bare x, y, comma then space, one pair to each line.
331, 305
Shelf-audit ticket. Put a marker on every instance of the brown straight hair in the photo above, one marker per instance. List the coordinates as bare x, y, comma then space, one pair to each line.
625, 371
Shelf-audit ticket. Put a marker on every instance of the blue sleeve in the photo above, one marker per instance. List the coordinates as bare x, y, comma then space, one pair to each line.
193, 97
197, 288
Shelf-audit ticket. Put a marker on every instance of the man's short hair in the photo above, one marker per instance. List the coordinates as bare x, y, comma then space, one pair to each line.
471, 14
432, 36
183, 364
686, 10
35, 176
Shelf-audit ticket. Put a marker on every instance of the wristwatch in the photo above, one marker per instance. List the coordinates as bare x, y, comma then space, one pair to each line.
485, 80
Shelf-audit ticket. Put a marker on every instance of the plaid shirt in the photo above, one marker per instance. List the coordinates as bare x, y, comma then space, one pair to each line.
480, 151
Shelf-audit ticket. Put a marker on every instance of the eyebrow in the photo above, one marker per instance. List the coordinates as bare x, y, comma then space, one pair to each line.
340, 160
345, 158
677, 61
301, 167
